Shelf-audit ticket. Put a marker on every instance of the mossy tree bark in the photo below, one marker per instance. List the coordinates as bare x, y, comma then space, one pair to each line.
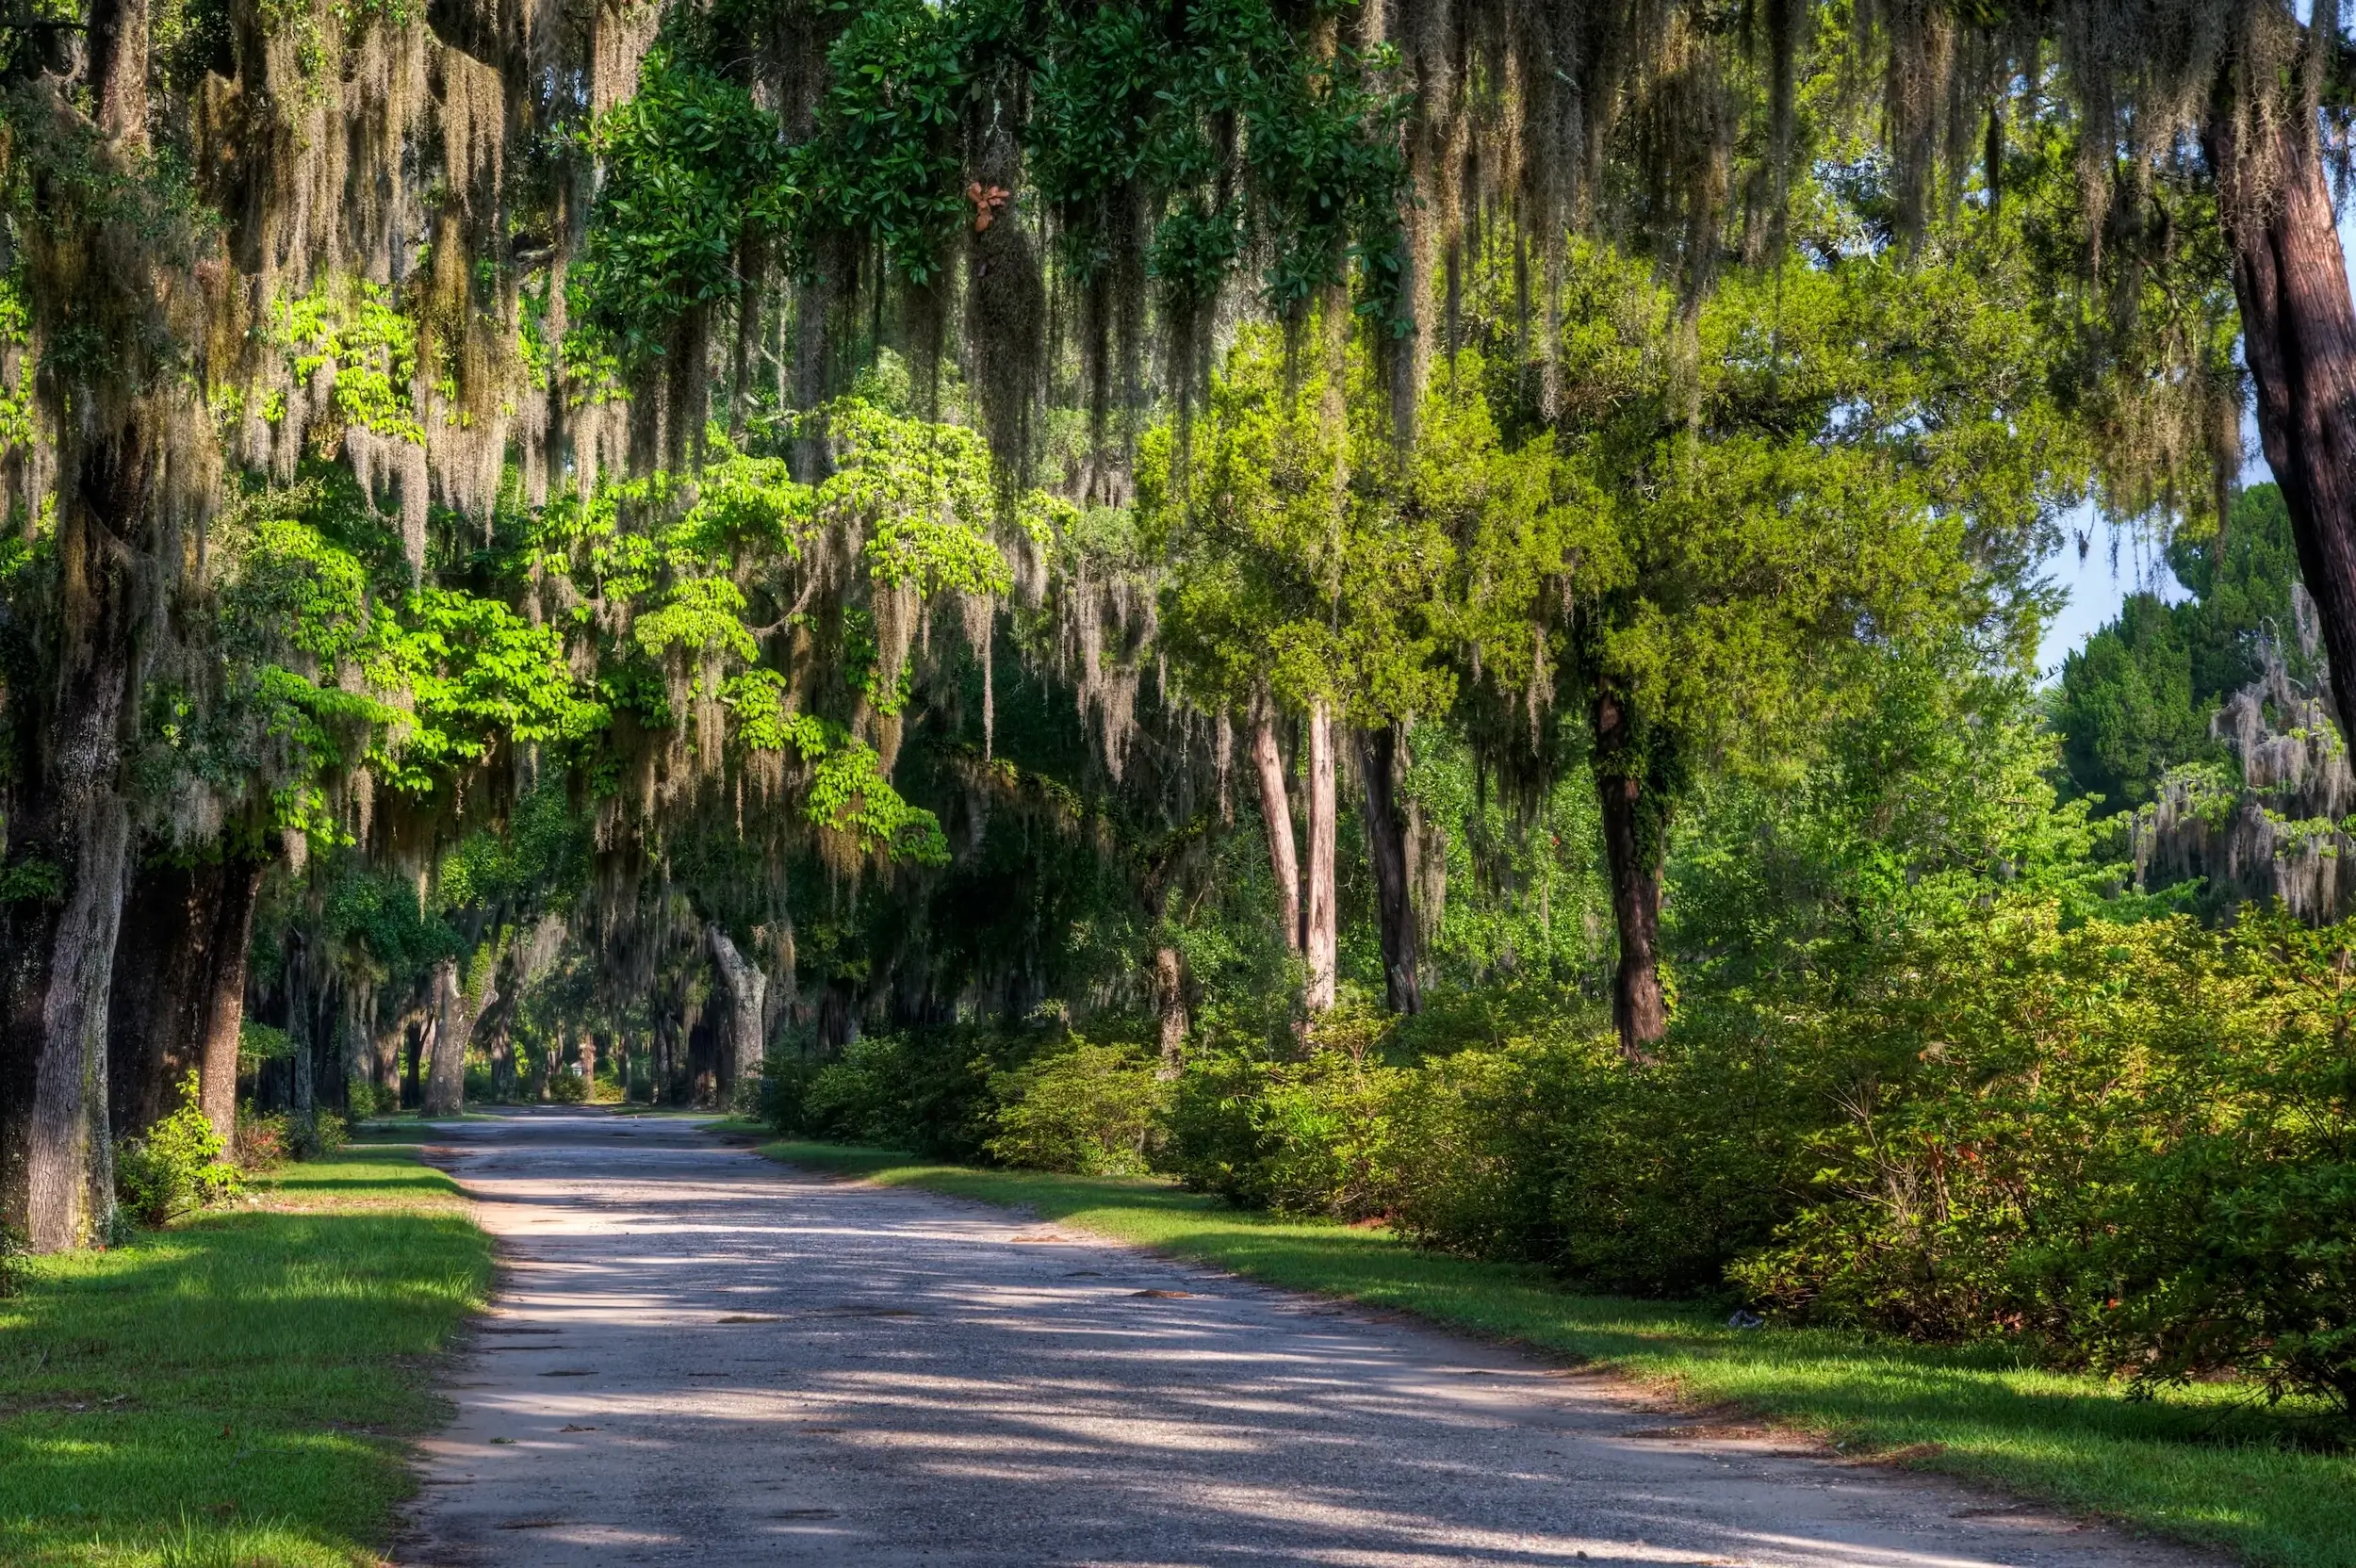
1635, 808
746, 991
2299, 336
178, 1001
462, 996
1387, 850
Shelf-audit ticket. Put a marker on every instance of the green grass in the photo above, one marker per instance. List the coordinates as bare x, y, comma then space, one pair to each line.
235, 1391
2203, 1465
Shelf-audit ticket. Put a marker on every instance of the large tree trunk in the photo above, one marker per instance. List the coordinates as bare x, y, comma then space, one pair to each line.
71, 825
1318, 936
1170, 999
1635, 819
747, 992
178, 997
457, 1013
224, 1014
2298, 336
1386, 848
1276, 812
68, 818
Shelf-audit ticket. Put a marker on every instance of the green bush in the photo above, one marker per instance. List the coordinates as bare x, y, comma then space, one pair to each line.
568, 1089
262, 1142
925, 1090
317, 1135
176, 1167
2132, 1146
1086, 1108
16, 1263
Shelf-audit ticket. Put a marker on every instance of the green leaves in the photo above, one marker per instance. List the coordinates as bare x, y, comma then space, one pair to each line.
693, 169
885, 162
922, 495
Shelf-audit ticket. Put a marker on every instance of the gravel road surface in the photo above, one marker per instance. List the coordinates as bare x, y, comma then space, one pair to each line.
698, 1356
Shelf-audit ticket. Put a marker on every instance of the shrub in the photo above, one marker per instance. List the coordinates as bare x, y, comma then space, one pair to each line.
568, 1087
2133, 1145
926, 1090
263, 1142
16, 1263
1088, 1108
316, 1136
1309, 1136
176, 1168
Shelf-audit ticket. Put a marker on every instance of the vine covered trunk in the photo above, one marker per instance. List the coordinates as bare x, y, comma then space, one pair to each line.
1387, 851
1276, 813
1318, 936
2298, 336
1635, 814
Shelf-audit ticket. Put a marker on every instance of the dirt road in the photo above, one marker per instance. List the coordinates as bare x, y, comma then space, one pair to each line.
701, 1356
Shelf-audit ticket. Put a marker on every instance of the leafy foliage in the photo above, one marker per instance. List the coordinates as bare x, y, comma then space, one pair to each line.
176, 1166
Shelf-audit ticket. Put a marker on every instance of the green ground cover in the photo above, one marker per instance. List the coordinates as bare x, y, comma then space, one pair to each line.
237, 1390
2205, 1465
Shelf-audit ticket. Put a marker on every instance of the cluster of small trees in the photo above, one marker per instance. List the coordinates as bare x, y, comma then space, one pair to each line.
656, 531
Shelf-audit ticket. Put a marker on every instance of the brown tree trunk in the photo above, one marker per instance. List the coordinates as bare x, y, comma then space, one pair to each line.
1386, 848
457, 1013
2298, 336
1170, 997
746, 989
179, 961
1276, 814
224, 1008
502, 1055
303, 1056
70, 825
1318, 936
1635, 817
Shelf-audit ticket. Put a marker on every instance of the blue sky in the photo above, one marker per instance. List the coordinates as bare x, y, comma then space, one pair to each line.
2099, 581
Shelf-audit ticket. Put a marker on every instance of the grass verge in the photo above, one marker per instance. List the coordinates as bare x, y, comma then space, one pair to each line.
2203, 1465
234, 1391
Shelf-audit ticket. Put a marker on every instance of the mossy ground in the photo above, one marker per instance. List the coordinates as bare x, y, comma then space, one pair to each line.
2205, 1465
238, 1389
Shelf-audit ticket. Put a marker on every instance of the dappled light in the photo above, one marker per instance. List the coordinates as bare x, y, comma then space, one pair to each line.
697, 1350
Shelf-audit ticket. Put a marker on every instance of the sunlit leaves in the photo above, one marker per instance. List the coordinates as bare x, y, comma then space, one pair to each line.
922, 495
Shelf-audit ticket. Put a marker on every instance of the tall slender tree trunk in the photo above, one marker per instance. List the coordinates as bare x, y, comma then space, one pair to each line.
224, 1007
179, 979
1635, 818
1386, 848
302, 1060
2299, 336
1276, 812
747, 990
420, 1052
1170, 999
1319, 944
